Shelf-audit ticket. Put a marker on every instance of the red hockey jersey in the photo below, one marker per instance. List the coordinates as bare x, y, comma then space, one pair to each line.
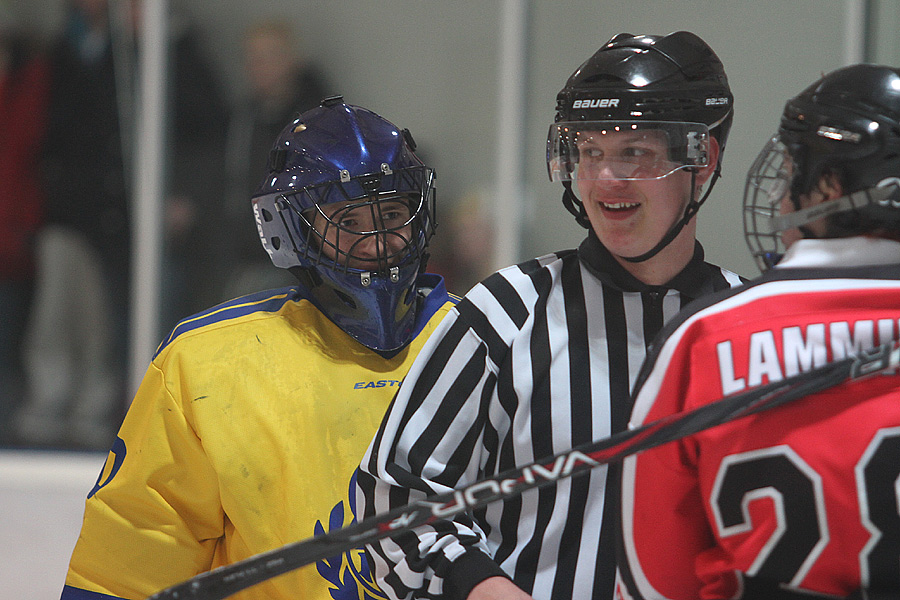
804, 495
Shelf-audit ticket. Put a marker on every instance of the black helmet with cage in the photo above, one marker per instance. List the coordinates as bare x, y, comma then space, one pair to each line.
341, 181
847, 126
673, 83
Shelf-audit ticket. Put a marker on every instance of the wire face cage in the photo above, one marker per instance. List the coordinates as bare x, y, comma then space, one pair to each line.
372, 223
768, 185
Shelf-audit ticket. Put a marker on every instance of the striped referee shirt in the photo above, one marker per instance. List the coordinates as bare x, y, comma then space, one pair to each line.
536, 359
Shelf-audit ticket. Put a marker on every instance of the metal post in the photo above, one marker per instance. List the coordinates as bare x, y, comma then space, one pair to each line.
509, 196
855, 31
148, 190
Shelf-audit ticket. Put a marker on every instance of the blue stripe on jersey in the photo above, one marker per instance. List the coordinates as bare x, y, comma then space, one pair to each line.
273, 300
266, 301
73, 593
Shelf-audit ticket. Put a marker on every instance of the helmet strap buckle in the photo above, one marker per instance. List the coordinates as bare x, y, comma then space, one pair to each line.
695, 152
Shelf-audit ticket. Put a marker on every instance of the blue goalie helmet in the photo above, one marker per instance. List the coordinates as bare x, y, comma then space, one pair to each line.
348, 208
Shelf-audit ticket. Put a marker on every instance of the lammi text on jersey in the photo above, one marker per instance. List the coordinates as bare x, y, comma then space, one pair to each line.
799, 350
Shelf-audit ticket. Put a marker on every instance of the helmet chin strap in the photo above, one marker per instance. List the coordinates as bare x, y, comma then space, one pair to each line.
803, 228
881, 194
689, 212
574, 205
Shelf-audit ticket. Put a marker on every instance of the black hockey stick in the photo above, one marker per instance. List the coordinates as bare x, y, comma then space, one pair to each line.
230, 579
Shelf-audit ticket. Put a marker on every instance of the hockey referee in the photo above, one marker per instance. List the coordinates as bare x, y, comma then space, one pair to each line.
540, 357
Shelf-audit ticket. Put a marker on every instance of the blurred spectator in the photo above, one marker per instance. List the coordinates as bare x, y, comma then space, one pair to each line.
280, 83
463, 252
79, 318
76, 346
194, 242
24, 81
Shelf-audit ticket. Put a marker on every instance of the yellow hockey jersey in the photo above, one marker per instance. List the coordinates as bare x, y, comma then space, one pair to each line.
244, 435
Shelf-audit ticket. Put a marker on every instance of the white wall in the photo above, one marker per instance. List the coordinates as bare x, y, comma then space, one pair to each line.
41, 502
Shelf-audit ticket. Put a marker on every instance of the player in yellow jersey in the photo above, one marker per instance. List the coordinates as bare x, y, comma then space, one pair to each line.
251, 420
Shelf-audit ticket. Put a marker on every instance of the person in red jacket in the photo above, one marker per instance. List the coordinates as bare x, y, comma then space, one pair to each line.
24, 84
799, 501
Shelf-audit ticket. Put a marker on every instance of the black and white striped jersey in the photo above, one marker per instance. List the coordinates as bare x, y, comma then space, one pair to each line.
536, 359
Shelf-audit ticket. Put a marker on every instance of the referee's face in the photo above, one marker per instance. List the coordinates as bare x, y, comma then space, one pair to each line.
631, 216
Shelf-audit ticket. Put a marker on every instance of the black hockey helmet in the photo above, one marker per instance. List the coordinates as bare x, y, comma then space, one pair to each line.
849, 120
675, 78
846, 124
644, 81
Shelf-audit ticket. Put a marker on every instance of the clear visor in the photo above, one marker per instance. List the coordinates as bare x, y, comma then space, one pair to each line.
612, 150
766, 196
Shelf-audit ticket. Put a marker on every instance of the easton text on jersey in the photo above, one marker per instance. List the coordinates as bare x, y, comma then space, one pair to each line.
359, 385
771, 355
